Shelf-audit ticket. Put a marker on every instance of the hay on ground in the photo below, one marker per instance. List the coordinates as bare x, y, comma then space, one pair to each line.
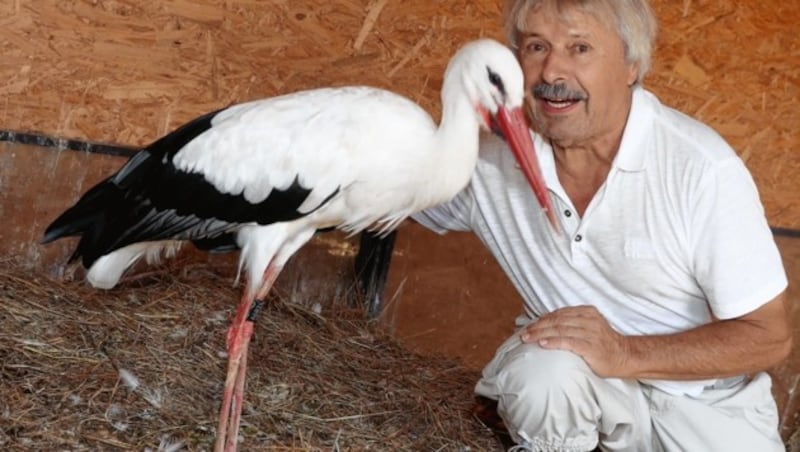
141, 368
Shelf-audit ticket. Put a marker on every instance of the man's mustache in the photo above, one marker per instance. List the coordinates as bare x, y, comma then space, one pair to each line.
558, 91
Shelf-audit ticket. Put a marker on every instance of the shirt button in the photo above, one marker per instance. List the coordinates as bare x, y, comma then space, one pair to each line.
567, 213
578, 238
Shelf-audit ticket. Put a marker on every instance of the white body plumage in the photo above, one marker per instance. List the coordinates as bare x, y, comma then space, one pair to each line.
349, 158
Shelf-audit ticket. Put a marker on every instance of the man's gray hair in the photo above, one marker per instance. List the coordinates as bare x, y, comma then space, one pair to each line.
633, 20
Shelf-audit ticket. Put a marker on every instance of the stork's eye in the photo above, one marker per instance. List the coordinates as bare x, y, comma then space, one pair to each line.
495, 80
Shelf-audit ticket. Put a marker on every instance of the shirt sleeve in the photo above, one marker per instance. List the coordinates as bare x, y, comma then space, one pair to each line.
453, 215
736, 259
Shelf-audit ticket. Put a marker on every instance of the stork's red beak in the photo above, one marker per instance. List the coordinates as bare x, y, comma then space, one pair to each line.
515, 130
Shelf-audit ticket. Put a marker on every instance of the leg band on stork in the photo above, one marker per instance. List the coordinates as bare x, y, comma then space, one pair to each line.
238, 341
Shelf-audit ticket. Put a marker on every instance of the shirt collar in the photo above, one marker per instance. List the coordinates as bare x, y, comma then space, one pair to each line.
547, 162
632, 148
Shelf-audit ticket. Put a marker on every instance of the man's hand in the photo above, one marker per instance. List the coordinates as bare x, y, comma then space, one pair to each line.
585, 332
721, 348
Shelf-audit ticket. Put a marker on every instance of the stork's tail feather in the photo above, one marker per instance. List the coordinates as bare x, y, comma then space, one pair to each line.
106, 271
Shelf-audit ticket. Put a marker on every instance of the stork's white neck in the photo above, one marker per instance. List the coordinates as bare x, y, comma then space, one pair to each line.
456, 144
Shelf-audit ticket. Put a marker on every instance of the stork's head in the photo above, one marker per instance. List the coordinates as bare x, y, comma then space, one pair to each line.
490, 76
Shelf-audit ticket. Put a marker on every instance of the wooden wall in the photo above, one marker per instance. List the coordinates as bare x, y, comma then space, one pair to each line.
125, 72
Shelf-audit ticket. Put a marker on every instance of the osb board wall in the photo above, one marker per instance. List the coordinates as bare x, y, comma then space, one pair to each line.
125, 71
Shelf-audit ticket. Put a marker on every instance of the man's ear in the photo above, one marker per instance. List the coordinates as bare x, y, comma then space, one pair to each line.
633, 73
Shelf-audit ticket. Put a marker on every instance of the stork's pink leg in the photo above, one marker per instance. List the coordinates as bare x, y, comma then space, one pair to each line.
238, 339
237, 329
238, 397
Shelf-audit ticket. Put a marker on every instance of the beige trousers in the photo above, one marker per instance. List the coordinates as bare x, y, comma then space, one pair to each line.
552, 401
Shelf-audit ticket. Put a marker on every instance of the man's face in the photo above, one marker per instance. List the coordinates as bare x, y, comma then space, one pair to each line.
577, 75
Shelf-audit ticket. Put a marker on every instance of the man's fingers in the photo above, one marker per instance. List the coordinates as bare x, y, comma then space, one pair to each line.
535, 333
573, 344
575, 312
560, 325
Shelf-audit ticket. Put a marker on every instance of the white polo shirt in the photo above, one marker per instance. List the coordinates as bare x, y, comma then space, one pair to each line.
676, 233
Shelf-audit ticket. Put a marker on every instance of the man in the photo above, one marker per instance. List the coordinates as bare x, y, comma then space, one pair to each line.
652, 315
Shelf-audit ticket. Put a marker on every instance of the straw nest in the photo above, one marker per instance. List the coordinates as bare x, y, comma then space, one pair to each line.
141, 368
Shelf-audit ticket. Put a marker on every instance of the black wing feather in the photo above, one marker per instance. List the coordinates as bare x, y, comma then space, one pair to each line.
149, 199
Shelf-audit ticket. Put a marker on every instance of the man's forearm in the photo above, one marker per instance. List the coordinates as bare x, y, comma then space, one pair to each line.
716, 350
719, 349
753, 342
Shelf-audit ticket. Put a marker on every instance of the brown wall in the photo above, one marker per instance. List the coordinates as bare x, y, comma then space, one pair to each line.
126, 72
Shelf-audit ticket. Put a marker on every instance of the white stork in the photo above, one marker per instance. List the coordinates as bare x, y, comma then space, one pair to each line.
263, 176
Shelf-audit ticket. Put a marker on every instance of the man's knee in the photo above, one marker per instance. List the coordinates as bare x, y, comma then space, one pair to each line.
535, 381
533, 370
546, 394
